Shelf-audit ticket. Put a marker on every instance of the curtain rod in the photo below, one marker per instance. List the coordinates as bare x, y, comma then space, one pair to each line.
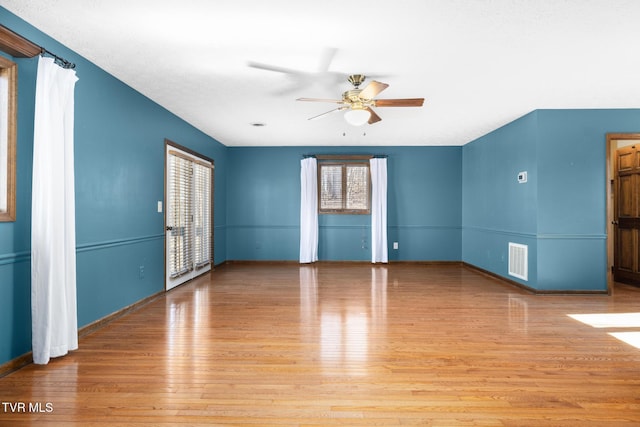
58, 59
20, 47
344, 156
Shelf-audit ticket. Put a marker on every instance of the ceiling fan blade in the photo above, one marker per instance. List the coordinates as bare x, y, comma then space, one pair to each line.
374, 117
325, 60
406, 102
335, 101
372, 89
274, 68
328, 112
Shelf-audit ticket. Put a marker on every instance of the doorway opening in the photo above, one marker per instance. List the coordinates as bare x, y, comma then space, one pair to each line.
623, 209
188, 215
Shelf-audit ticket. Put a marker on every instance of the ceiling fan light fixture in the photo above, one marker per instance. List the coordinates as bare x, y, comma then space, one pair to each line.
357, 117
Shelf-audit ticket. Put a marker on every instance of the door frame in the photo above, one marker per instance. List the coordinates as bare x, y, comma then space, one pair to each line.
169, 143
612, 145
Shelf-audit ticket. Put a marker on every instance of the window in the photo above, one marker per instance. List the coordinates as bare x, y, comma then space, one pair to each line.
7, 140
344, 188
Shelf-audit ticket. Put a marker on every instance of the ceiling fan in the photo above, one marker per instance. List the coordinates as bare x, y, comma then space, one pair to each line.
358, 102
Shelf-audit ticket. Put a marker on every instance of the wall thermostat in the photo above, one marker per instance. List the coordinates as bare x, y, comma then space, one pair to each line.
522, 177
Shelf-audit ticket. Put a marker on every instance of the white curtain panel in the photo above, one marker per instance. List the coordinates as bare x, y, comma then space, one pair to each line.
53, 238
379, 250
308, 210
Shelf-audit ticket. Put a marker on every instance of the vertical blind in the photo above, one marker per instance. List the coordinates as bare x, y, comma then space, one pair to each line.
189, 215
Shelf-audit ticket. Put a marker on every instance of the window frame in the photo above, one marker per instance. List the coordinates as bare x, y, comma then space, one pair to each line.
9, 70
344, 163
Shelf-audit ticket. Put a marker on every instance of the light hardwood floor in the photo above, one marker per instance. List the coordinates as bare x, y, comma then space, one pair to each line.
344, 345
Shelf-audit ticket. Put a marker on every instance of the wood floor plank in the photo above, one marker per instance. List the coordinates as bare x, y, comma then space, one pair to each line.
332, 344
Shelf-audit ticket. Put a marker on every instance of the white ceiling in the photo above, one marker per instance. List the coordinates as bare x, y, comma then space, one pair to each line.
478, 63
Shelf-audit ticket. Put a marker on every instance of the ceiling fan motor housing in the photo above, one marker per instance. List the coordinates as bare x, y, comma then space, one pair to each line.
352, 98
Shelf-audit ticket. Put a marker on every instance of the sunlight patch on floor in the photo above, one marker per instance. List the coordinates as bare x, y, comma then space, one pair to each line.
609, 320
631, 338
614, 320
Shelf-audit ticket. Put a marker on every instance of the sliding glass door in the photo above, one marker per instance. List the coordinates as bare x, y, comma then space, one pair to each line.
188, 215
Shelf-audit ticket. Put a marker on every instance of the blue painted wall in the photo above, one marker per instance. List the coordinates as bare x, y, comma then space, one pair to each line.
496, 209
424, 205
445, 203
572, 239
560, 213
119, 158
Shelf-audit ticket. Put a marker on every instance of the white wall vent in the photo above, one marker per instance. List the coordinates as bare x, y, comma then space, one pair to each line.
518, 260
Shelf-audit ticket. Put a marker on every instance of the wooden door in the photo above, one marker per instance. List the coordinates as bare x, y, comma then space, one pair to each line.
627, 215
